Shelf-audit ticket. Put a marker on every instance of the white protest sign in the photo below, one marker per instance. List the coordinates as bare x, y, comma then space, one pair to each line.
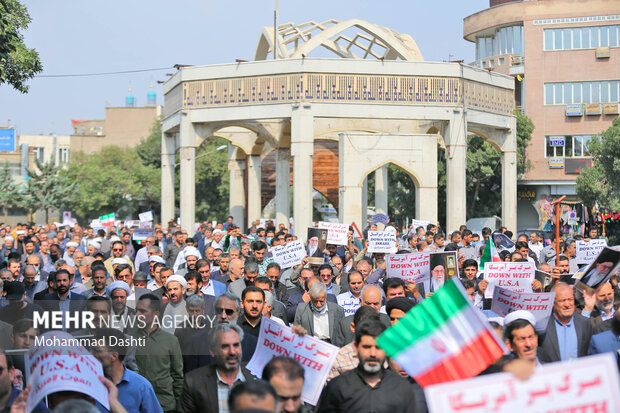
414, 268
57, 362
140, 234
590, 384
539, 304
381, 241
588, 251
419, 223
146, 216
290, 254
514, 276
315, 356
337, 234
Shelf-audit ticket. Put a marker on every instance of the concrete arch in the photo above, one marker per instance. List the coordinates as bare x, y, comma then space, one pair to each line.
307, 37
487, 136
414, 177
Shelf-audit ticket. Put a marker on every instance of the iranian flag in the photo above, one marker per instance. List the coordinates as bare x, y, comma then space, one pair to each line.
490, 254
442, 339
107, 220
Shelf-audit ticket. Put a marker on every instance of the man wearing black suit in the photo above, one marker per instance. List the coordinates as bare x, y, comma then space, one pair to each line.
298, 296
568, 334
63, 300
203, 387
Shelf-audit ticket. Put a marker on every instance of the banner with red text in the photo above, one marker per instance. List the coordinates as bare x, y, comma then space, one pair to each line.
590, 384
337, 233
314, 355
514, 276
539, 304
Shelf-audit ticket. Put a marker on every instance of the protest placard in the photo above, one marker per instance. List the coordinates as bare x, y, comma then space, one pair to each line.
146, 216
140, 234
514, 276
57, 362
589, 385
539, 304
588, 251
600, 270
317, 241
315, 356
381, 241
379, 219
415, 223
422, 267
337, 234
290, 254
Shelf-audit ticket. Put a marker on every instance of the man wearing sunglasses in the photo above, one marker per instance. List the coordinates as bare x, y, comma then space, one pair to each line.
118, 251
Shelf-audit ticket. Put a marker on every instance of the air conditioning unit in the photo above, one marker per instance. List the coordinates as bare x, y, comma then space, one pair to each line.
603, 52
516, 60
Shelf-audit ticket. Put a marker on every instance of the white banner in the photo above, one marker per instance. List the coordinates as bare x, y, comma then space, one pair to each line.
56, 363
409, 267
588, 384
337, 234
381, 241
146, 216
539, 304
419, 223
514, 276
314, 355
588, 251
290, 254
140, 234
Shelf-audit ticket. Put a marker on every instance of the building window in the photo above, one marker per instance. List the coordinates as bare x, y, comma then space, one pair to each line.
565, 93
567, 146
63, 155
581, 37
507, 40
39, 153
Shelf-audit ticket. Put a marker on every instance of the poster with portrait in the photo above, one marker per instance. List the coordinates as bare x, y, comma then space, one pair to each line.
443, 266
317, 242
600, 271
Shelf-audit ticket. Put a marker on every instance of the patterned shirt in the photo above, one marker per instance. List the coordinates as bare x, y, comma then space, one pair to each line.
223, 389
346, 360
262, 267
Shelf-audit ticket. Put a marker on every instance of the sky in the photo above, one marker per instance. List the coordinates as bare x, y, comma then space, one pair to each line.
85, 37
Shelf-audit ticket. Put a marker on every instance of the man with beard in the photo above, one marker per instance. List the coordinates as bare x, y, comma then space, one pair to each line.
252, 302
209, 285
250, 273
118, 292
369, 387
520, 336
18, 307
175, 311
197, 322
224, 266
62, 299
100, 280
206, 390
279, 289
599, 306
600, 273
30, 284
186, 260
607, 341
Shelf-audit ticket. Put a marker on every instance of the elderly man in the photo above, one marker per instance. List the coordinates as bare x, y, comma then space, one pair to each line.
206, 390
68, 255
520, 335
318, 317
250, 274
372, 296
121, 312
599, 306
142, 254
124, 272
568, 334
369, 387
601, 271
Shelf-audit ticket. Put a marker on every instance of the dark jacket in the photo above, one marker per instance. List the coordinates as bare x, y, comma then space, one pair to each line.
548, 347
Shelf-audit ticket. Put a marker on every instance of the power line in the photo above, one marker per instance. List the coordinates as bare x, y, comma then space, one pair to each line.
107, 73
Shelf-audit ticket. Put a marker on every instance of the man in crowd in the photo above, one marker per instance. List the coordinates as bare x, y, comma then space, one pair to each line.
248, 279
286, 376
252, 303
351, 300
318, 317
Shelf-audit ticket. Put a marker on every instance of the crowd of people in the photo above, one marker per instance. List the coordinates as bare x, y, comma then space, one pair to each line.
179, 316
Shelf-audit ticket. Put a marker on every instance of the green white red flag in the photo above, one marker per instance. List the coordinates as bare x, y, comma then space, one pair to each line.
107, 220
490, 254
442, 339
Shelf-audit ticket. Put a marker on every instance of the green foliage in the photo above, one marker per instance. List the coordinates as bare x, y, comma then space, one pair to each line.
212, 181
149, 149
110, 179
10, 195
47, 188
601, 182
401, 201
525, 127
17, 62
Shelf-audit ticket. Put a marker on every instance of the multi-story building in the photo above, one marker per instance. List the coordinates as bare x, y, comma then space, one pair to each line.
564, 57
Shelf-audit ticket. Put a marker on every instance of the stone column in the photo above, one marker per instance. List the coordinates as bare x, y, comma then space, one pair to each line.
168, 149
381, 190
254, 188
362, 224
350, 192
425, 210
187, 145
283, 171
509, 179
237, 187
456, 163
302, 150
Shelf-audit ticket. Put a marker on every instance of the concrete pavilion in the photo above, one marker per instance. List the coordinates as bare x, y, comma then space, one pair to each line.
378, 99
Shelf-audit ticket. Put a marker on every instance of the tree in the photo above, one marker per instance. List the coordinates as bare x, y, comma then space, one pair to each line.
17, 62
47, 188
109, 180
10, 195
601, 182
149, 148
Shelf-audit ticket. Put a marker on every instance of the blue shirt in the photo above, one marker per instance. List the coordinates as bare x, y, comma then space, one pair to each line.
136, 394
567, 339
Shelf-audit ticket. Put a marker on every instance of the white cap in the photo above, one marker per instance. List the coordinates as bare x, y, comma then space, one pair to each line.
193, 251
178, 278
520, 315
156, 258
20, 232
390, 229
217, 231
114, 238
72, 244
119, 261
9, 238
95, 244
